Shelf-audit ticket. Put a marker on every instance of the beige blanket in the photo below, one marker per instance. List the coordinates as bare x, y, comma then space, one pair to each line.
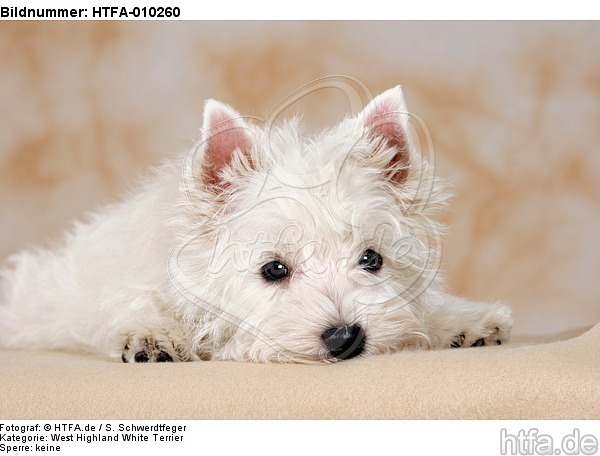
522, 380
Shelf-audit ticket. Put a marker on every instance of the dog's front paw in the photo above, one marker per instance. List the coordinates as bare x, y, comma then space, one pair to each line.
152, 349
478, 339
493, 329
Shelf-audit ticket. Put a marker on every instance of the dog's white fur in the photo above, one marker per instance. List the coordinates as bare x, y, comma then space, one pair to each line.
176, 267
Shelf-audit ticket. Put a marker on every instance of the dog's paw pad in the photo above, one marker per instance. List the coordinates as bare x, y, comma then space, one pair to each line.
141, 357
148, 350
478, 343
458, 341
164, 357
482, 337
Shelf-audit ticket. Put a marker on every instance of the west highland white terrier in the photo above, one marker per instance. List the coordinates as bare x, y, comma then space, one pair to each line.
261, 245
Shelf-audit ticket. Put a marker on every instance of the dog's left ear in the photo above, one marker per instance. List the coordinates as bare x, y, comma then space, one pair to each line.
385, 120
225, 134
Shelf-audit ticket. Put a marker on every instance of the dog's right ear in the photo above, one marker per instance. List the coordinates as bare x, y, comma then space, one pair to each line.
224, 134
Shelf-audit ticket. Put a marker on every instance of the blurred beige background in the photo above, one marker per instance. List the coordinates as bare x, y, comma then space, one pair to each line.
513, 109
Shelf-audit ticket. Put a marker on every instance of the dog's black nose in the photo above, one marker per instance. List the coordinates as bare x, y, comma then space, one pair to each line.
344, 342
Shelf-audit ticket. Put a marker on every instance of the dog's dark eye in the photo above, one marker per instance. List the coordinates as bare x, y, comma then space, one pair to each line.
274, 270
371, 261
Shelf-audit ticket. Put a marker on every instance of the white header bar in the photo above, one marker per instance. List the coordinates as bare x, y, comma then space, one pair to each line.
305, 10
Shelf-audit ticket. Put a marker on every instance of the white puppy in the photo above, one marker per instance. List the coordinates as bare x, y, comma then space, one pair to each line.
261, 245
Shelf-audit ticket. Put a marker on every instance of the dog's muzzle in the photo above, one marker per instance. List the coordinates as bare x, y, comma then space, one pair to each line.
344, 342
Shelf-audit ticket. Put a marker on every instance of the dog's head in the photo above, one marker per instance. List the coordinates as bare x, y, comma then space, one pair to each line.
306, 248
